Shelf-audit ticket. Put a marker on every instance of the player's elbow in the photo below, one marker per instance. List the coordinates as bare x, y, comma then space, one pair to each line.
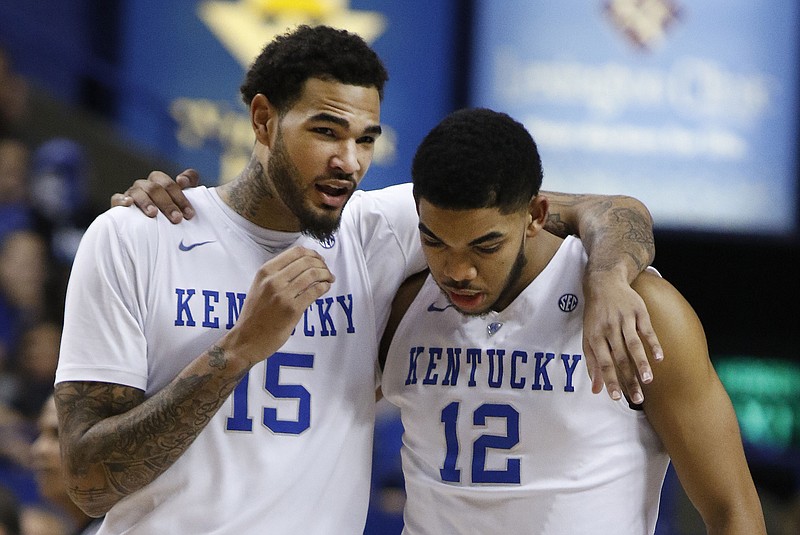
634, 204
93, 502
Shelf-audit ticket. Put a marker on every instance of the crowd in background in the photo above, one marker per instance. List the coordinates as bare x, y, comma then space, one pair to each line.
44, 209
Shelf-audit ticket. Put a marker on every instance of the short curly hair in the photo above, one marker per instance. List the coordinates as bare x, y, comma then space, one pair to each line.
286, 63
477, 158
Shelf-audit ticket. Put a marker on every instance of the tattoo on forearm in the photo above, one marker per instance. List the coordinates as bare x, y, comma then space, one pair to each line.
216, 358
135, 445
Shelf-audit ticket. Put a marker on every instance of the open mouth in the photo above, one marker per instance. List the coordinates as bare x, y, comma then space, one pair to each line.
334, 194
465, 300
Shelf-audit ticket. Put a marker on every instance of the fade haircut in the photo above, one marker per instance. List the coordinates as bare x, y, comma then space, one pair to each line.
283, 66
477, 158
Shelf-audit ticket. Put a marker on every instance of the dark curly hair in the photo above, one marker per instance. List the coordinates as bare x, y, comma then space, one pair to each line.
284, 65
477, 158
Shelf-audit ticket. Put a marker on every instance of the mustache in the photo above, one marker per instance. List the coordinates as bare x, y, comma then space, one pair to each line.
456, 285
338, 175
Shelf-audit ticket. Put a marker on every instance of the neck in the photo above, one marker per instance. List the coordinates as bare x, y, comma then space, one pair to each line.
252, 196
538, 251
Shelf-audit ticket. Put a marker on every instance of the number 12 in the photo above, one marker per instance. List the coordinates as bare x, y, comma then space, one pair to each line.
480, 474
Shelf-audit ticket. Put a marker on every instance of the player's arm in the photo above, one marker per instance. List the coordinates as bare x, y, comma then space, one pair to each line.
115, 442
692, 414
617, 232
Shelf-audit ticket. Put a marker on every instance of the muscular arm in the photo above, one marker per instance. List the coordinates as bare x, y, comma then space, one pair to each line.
114, 442
617, 232
692, 414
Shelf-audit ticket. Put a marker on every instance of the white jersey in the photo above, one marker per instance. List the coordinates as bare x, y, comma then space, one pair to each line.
290, 450
502, 431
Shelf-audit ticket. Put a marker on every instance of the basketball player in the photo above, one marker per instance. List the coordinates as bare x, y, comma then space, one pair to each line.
501, 430
186, 408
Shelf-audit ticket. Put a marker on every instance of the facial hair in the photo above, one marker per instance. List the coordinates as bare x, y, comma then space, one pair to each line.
286, 178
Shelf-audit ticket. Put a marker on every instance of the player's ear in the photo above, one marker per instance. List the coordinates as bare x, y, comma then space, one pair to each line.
263, 118
537, 214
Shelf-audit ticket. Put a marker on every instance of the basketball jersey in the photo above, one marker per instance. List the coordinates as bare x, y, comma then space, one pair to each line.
502, 431
290, 450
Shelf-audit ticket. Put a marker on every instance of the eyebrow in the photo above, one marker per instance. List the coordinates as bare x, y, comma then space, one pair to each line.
489, 236
344, 123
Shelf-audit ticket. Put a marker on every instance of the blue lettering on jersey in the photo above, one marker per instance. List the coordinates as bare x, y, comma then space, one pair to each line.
183, 308
495, 381
435, 355
210, 299
453, 365
491, 371
412, 367
326, 317
540, 372
235, 304
522, 356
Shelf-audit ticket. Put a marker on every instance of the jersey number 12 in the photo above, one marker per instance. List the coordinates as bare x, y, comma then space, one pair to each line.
480, 474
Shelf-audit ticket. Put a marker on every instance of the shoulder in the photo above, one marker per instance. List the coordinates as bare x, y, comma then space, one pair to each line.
668, 308
680, 332
391, 202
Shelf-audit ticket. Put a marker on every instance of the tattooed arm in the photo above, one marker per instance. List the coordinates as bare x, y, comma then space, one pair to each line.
617, 232
114, 442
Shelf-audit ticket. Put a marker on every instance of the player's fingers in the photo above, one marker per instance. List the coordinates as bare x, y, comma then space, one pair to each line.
593, 369
188, 178
627, 372
648, 335
120, 199
152, 198
177, 200
291, 256
605, 364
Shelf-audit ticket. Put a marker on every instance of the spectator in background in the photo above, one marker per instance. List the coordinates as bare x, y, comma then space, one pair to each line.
15, 214
36, 359
24, 278
9, 512
59, 196
46, 461
13, 95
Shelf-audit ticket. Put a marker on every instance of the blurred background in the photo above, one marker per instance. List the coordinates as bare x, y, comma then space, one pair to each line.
692, 107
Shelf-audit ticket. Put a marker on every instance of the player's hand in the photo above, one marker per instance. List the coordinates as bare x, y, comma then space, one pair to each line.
616, 328
282, 290
160, 192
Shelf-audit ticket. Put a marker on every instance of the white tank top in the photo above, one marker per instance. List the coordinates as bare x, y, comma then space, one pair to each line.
502, 433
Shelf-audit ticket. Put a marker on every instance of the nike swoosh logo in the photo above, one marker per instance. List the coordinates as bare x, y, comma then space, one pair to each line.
184, 247
433, 308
